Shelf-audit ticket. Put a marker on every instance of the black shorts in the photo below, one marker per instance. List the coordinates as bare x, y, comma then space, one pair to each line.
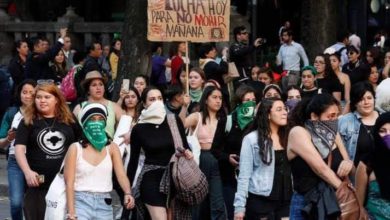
260, 207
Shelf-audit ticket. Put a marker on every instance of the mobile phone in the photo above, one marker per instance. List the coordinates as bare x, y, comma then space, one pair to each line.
126, 84
41, 179
263, 41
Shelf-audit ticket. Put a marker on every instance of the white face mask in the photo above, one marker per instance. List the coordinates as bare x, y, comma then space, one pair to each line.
154, 114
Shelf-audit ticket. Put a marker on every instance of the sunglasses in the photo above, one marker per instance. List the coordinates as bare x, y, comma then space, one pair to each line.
45, 81
351, 52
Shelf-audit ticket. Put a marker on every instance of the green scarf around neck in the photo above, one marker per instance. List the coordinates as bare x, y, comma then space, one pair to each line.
196, 95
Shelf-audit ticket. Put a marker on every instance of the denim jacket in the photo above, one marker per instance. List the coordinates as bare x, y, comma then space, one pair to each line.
255, 176
349, 127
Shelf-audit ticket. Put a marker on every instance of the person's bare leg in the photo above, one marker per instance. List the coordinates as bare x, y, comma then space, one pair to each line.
170, 214
157, 212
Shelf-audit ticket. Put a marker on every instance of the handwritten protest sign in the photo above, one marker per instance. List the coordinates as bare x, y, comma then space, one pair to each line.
188, 20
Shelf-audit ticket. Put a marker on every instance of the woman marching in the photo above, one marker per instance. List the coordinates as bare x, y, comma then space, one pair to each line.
209, 122
42, 139
264, 185
11, 120
89, 166
152, 133
312, 140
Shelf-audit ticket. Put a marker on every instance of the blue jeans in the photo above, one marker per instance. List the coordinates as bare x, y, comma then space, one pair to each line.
97, 206
16, 187
297, 203
213, 206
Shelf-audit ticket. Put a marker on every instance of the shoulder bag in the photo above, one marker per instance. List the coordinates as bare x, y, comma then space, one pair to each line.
190, 182
347, 200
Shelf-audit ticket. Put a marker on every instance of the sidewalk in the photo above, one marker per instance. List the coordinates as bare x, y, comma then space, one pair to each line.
3, 176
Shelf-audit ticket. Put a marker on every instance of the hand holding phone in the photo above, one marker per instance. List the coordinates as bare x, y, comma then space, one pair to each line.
126, 84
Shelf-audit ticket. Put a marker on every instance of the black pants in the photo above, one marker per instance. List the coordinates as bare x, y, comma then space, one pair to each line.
262, 208
34, 203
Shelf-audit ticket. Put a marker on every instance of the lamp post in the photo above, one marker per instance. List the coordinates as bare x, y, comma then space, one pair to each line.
254, 24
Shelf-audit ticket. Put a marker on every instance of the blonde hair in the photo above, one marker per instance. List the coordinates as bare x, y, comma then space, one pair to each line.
62, 111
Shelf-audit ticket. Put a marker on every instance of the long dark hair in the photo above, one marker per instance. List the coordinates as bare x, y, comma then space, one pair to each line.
262, 125
18, 101
329, 72
317, 105
203, 106
380, 157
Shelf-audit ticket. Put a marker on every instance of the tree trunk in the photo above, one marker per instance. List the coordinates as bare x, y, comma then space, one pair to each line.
135, 55
319, 25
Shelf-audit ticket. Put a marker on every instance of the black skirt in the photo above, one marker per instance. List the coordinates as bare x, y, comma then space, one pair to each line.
150, 188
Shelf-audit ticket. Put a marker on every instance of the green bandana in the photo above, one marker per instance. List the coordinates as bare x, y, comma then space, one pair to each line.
196, 95
245, 113
94, 131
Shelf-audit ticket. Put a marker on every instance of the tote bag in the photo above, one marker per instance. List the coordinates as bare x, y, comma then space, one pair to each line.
193, 141
56, 198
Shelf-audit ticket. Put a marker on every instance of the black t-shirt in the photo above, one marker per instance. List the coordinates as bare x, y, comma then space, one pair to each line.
364, 144
47, 142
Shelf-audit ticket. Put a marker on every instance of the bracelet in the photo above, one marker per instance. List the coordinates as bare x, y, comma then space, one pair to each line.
128, 194
71, 217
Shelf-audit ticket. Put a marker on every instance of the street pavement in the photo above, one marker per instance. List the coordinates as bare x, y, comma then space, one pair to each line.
4, 201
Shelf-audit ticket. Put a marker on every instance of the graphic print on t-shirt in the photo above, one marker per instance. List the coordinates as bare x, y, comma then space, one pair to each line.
51, 142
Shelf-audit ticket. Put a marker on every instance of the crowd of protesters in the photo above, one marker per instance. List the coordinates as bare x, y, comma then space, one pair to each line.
270, 145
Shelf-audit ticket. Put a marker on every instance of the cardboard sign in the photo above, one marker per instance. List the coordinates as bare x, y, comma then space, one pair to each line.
188, 20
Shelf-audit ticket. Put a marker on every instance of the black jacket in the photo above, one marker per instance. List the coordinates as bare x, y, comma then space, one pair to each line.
321, 203
16, 68
37, 64
241, 55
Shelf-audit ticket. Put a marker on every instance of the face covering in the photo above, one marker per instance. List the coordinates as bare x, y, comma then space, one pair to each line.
386, 140
323, 134
292, 103
245, 113
94, 131
154, 114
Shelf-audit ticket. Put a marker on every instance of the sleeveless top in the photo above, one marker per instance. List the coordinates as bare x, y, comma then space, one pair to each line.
92, 178
204, 134
304, 178
111, 120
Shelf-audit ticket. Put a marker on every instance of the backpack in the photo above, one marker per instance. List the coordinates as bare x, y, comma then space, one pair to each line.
68, 87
